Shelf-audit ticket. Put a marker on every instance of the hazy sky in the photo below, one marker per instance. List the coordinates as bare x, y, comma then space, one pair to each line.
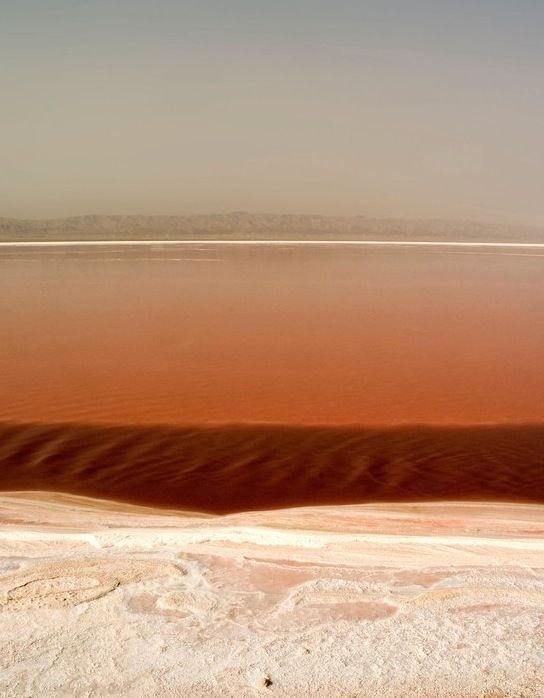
409, 108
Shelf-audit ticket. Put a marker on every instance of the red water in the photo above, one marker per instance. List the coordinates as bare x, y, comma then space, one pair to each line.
111, 341
301, 335
221, 469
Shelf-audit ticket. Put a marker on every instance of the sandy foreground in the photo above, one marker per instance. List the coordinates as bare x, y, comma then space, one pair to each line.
434, 600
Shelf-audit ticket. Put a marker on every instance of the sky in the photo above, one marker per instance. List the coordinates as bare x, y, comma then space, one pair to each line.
388, 108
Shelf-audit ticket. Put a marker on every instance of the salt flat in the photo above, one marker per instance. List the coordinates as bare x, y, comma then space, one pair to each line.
442, 599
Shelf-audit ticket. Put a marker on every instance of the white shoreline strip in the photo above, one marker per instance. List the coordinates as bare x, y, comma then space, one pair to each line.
261, 536
354, 243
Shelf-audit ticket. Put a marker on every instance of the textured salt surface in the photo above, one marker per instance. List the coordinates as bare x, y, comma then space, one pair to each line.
431, 600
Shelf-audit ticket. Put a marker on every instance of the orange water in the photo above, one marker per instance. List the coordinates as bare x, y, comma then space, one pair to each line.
192, 335
196, 338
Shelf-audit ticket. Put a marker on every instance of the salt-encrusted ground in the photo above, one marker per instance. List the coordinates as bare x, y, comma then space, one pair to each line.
433, 600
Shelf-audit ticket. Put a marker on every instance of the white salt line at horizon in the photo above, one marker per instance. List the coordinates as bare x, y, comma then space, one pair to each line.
355, 243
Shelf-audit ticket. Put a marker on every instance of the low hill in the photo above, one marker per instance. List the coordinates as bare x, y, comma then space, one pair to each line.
242, 225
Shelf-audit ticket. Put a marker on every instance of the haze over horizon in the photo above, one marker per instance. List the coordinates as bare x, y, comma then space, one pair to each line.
387, 109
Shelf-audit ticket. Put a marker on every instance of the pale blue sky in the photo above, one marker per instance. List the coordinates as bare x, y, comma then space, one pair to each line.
386, 108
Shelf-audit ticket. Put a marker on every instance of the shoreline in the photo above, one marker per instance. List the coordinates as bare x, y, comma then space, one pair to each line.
219, 241
517, 525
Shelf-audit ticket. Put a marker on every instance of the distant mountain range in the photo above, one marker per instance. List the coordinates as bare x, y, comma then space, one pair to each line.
241, 225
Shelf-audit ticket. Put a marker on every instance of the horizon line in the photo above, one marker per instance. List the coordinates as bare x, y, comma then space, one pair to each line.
218, 241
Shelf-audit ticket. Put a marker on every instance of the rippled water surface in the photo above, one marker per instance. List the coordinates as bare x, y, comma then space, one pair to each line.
223, 469
107, 342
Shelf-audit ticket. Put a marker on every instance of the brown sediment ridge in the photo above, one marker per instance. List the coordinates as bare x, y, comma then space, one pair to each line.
232, 468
